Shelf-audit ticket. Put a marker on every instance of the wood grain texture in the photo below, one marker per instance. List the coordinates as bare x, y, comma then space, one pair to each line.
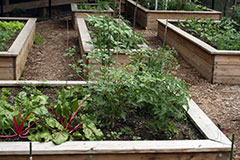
205, 125
114, 147
16, 55
28, 40
213, 64
7, 73
21, 83
6, 62
172, 156
148, 18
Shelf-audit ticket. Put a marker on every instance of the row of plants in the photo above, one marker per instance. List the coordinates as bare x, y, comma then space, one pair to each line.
188, 5
8, 31
223, 35
141, 91
105, 34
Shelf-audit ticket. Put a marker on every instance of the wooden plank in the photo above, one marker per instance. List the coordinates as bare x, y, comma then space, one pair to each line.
205, 125
84, 35
7, 73
227, 59
149, 21
227, 70
172, 156
6, 62
15, 83
114, 147
226, 79
22, 37
28, 42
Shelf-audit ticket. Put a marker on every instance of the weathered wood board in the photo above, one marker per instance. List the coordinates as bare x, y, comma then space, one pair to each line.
217, 66
13, 60
77, 13
148, 18
216, 146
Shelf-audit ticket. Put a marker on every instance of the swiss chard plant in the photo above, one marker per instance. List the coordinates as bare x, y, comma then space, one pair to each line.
18, 119
62, 125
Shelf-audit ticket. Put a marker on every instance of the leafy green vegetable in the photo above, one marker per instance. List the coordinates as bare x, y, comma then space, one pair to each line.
8, 30
224, 35
106, 32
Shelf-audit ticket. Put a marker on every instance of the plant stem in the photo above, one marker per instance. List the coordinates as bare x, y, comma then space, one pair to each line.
233, 139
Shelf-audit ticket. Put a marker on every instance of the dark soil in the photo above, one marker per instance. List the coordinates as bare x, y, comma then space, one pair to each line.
220, 102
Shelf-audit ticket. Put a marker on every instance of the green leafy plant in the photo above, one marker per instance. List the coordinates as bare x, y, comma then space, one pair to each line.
60, 125
21, 117
38, 39
223, 35
105, 32
8, 30
77, 64
236, 14
145, 84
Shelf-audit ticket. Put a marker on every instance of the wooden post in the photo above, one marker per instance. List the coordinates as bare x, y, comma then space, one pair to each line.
50, 8
213, 4
1, 7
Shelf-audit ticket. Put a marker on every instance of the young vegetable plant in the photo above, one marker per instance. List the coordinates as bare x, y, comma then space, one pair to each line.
61, 125
23, 116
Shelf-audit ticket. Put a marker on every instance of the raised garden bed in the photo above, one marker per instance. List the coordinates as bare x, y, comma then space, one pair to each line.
215, 146
217, 66
147, 18
77, 13
86, 46
13, 60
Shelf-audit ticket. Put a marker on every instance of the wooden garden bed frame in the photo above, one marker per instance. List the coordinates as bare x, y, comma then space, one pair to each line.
77, 13
216, 146
217, 66
86, 47
147, 18
12, 61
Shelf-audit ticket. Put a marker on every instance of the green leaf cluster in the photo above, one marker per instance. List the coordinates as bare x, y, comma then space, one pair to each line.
107, 33
144, 85
50, 127
224, 35
8, 30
